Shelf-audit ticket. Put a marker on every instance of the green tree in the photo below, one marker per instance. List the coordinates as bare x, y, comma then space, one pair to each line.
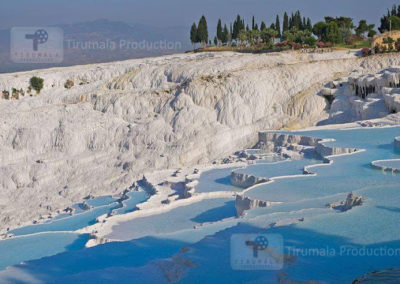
371, 33
219, 30
278, 26
319, 29
253, 23
310, 41
309, 25
395, 21
242, 37
238, 26
225, 35
193, 34
285, 23
385, 24
215, 40
331, 33
394, 10
36, 83
297, 22
362, 28
267, 35
202, 31
263, 26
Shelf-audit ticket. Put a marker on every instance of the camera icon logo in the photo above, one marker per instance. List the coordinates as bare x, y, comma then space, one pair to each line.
260, 243
39, 37
257, 252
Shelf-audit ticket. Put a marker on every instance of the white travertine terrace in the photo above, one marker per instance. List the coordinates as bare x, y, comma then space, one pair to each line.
123, 119
364, 96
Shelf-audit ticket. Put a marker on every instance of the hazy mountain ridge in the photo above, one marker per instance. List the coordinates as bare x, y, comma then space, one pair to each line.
77, 38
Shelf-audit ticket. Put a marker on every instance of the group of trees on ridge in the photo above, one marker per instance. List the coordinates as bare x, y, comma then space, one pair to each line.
295, 30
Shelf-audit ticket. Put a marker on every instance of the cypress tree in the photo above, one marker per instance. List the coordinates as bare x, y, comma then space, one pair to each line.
263, 26
202, 30
215, 40
394, 10
193, 34
291, 22
225, 35
253, 23
285, 23
219, 30
297, 20
236, 27
278, 26
309, 25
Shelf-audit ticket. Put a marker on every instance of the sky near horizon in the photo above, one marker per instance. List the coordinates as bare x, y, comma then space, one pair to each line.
180, 12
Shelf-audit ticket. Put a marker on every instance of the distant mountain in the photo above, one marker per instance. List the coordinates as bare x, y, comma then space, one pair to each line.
104, 41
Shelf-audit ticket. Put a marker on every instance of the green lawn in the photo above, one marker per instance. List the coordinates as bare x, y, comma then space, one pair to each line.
356, 45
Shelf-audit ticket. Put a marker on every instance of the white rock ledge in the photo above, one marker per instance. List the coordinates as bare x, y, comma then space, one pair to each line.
379, 165
276, 141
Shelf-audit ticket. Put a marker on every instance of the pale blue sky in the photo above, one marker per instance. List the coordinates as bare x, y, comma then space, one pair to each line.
179, 12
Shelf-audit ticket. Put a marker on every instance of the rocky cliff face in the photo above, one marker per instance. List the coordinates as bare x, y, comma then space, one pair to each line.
123, 119
363, 96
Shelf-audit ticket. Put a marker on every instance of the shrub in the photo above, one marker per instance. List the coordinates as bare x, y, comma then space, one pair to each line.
328, 44
365, 51
295, 45
320, 44
69, 84
37, 83
397, 45
310, 41
350, 41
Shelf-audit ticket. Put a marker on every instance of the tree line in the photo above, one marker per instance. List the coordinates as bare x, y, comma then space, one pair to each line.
294, 29
391, 20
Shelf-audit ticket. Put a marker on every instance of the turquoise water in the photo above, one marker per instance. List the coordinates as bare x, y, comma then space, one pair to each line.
129, 205
55, 236
220, 179
101, 201
177, 219
71, 223
282, 168
25, 248
216, 180
198, 226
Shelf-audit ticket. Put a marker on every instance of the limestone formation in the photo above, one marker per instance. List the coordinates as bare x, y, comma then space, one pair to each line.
243, 203
142, 115
351, 201
245, 181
